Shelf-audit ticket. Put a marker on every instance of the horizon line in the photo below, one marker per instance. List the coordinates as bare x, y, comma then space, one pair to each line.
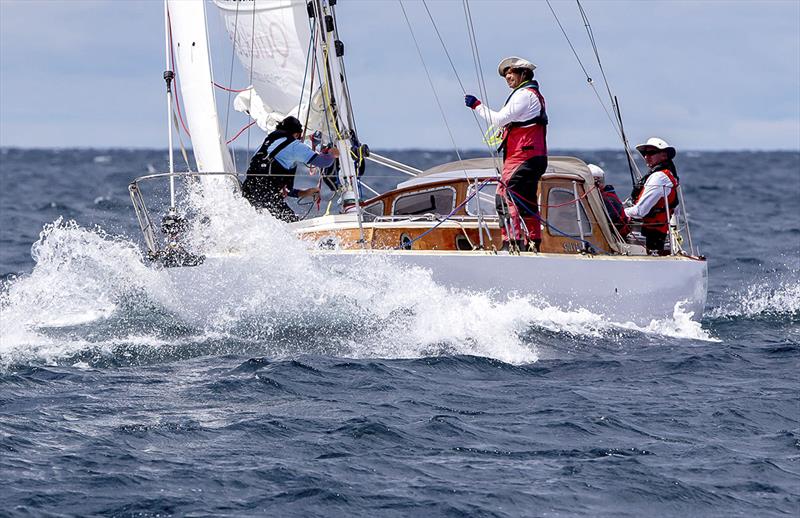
438, 150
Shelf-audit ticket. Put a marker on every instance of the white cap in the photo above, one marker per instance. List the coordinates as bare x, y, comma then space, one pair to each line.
597, 172
514, 62
657, 143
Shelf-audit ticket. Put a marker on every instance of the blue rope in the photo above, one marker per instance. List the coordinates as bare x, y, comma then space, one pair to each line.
518, 201
408, 245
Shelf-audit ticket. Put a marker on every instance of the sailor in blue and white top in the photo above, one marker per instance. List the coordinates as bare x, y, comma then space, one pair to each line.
270, 176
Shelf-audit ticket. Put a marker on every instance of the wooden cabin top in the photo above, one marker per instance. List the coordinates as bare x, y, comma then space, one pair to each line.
441, 190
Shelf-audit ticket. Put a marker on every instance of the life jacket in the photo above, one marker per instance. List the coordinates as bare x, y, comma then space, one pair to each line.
261, 189
526, 139
656, 220
616, 211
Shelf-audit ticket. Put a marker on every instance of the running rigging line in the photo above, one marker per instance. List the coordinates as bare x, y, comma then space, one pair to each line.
476, 57
230, 76
613, 98
616, 120
430, 80
452, 65
589, 79
250, 82
473, 44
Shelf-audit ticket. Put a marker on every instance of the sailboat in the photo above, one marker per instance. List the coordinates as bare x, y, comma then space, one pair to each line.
441, 219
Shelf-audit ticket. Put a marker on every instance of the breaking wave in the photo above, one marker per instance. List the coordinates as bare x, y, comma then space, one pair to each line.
769, 298
92, 296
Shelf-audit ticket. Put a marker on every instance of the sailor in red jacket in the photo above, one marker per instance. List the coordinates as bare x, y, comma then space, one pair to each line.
614, 207
524, 122
649, 194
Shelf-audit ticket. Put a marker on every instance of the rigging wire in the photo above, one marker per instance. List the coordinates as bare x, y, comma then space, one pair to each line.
441, 40
589, 79
614, 101
305, 76
475, 117
430, 80
230, 75
351, 115
376, 193
252, 48
484, 92
476, 57
450, 60
590, 33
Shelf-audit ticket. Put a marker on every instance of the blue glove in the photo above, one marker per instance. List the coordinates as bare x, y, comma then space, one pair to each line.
471, 101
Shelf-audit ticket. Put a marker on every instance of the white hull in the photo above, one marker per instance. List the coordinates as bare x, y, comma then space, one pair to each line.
621, 288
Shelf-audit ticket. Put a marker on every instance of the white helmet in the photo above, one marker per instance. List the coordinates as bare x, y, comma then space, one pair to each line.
597, 172
514, 62
657, 143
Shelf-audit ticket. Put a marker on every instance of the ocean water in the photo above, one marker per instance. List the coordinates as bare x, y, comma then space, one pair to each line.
381, 393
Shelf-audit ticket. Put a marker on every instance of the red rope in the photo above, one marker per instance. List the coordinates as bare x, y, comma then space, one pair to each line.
240, 132
172, 60
230, 89
585, 194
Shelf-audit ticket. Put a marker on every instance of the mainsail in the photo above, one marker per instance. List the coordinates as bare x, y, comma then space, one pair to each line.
271, 39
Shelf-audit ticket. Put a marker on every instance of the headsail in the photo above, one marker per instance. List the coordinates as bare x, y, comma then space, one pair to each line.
188, 31
271, 39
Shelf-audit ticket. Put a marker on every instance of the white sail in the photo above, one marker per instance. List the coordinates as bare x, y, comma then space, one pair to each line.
190, 45
271, 39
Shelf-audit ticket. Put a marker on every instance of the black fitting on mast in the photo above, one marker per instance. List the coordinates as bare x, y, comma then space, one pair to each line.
310, 9
339, 47
329, 23
169, 75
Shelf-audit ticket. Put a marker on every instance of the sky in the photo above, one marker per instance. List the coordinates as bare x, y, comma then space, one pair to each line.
703, 74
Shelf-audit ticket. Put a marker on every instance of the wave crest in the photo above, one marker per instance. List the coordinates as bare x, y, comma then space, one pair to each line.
763, 299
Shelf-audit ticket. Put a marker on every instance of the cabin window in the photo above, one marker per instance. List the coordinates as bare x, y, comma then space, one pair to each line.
435, 201
485, 198
561, 214
372, 211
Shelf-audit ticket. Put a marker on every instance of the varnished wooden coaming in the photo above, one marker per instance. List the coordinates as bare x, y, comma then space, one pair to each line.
458, 232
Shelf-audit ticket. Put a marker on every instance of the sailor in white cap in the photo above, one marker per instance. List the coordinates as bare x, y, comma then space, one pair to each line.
523, 119
649, 195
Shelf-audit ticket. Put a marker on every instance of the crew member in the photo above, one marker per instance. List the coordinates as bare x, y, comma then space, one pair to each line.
524, 122
614, 206
659, 183
270, 176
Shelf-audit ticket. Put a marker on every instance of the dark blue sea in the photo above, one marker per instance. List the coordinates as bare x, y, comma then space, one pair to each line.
377, 395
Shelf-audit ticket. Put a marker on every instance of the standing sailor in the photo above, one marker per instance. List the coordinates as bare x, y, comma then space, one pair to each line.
653, 189
270, 177
524, 122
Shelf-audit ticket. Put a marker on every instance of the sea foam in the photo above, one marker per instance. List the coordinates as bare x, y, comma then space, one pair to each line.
286, 301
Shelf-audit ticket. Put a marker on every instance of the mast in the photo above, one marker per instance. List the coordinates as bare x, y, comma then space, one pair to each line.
329, 52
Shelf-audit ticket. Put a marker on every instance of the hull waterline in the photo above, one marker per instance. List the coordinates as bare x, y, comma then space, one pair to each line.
619, 288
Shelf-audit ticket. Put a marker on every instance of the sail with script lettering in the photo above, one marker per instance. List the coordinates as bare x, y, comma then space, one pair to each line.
273, 42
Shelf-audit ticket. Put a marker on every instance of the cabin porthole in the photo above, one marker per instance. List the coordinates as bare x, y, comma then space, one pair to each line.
405, 242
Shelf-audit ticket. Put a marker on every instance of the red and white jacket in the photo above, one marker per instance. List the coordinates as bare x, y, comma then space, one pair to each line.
524, 122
